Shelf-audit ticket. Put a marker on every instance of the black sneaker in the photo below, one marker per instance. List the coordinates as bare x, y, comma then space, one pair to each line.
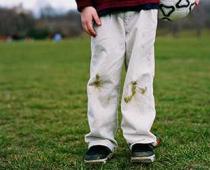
142, 153
97, 154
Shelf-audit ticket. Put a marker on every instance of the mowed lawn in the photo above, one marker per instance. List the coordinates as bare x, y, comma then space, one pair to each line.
43, 106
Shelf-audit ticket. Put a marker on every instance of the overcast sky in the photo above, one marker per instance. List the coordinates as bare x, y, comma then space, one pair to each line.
36, 4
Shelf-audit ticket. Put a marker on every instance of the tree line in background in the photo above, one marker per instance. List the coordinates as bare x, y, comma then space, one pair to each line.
18, 23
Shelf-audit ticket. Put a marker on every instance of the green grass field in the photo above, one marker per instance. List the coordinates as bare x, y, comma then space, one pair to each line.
43, 106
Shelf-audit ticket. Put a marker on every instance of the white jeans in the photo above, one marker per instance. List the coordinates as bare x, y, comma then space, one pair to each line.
123, 37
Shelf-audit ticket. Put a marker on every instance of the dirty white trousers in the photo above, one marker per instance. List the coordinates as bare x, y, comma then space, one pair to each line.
123, 37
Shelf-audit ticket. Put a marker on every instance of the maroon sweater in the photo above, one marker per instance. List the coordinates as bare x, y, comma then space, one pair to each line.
106, 6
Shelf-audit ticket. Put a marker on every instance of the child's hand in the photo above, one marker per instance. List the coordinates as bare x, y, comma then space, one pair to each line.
88, 16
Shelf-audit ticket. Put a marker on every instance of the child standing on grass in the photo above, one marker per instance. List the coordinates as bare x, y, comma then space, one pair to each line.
121, 32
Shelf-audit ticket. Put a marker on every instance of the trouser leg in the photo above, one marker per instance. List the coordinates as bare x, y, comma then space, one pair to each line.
108, 49
137, 105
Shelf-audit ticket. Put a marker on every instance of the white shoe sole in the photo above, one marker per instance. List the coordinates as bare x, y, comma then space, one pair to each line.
100, 160
148, 159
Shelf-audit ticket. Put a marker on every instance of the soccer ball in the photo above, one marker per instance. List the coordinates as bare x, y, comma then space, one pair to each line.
175, 9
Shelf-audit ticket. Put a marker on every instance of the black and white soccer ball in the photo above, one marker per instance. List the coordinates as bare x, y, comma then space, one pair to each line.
175, 9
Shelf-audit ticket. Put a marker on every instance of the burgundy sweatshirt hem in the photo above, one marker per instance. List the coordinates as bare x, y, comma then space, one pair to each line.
126, 4
131, 8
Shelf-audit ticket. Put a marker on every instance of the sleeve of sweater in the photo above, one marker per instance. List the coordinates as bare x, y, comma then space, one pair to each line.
83, 3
